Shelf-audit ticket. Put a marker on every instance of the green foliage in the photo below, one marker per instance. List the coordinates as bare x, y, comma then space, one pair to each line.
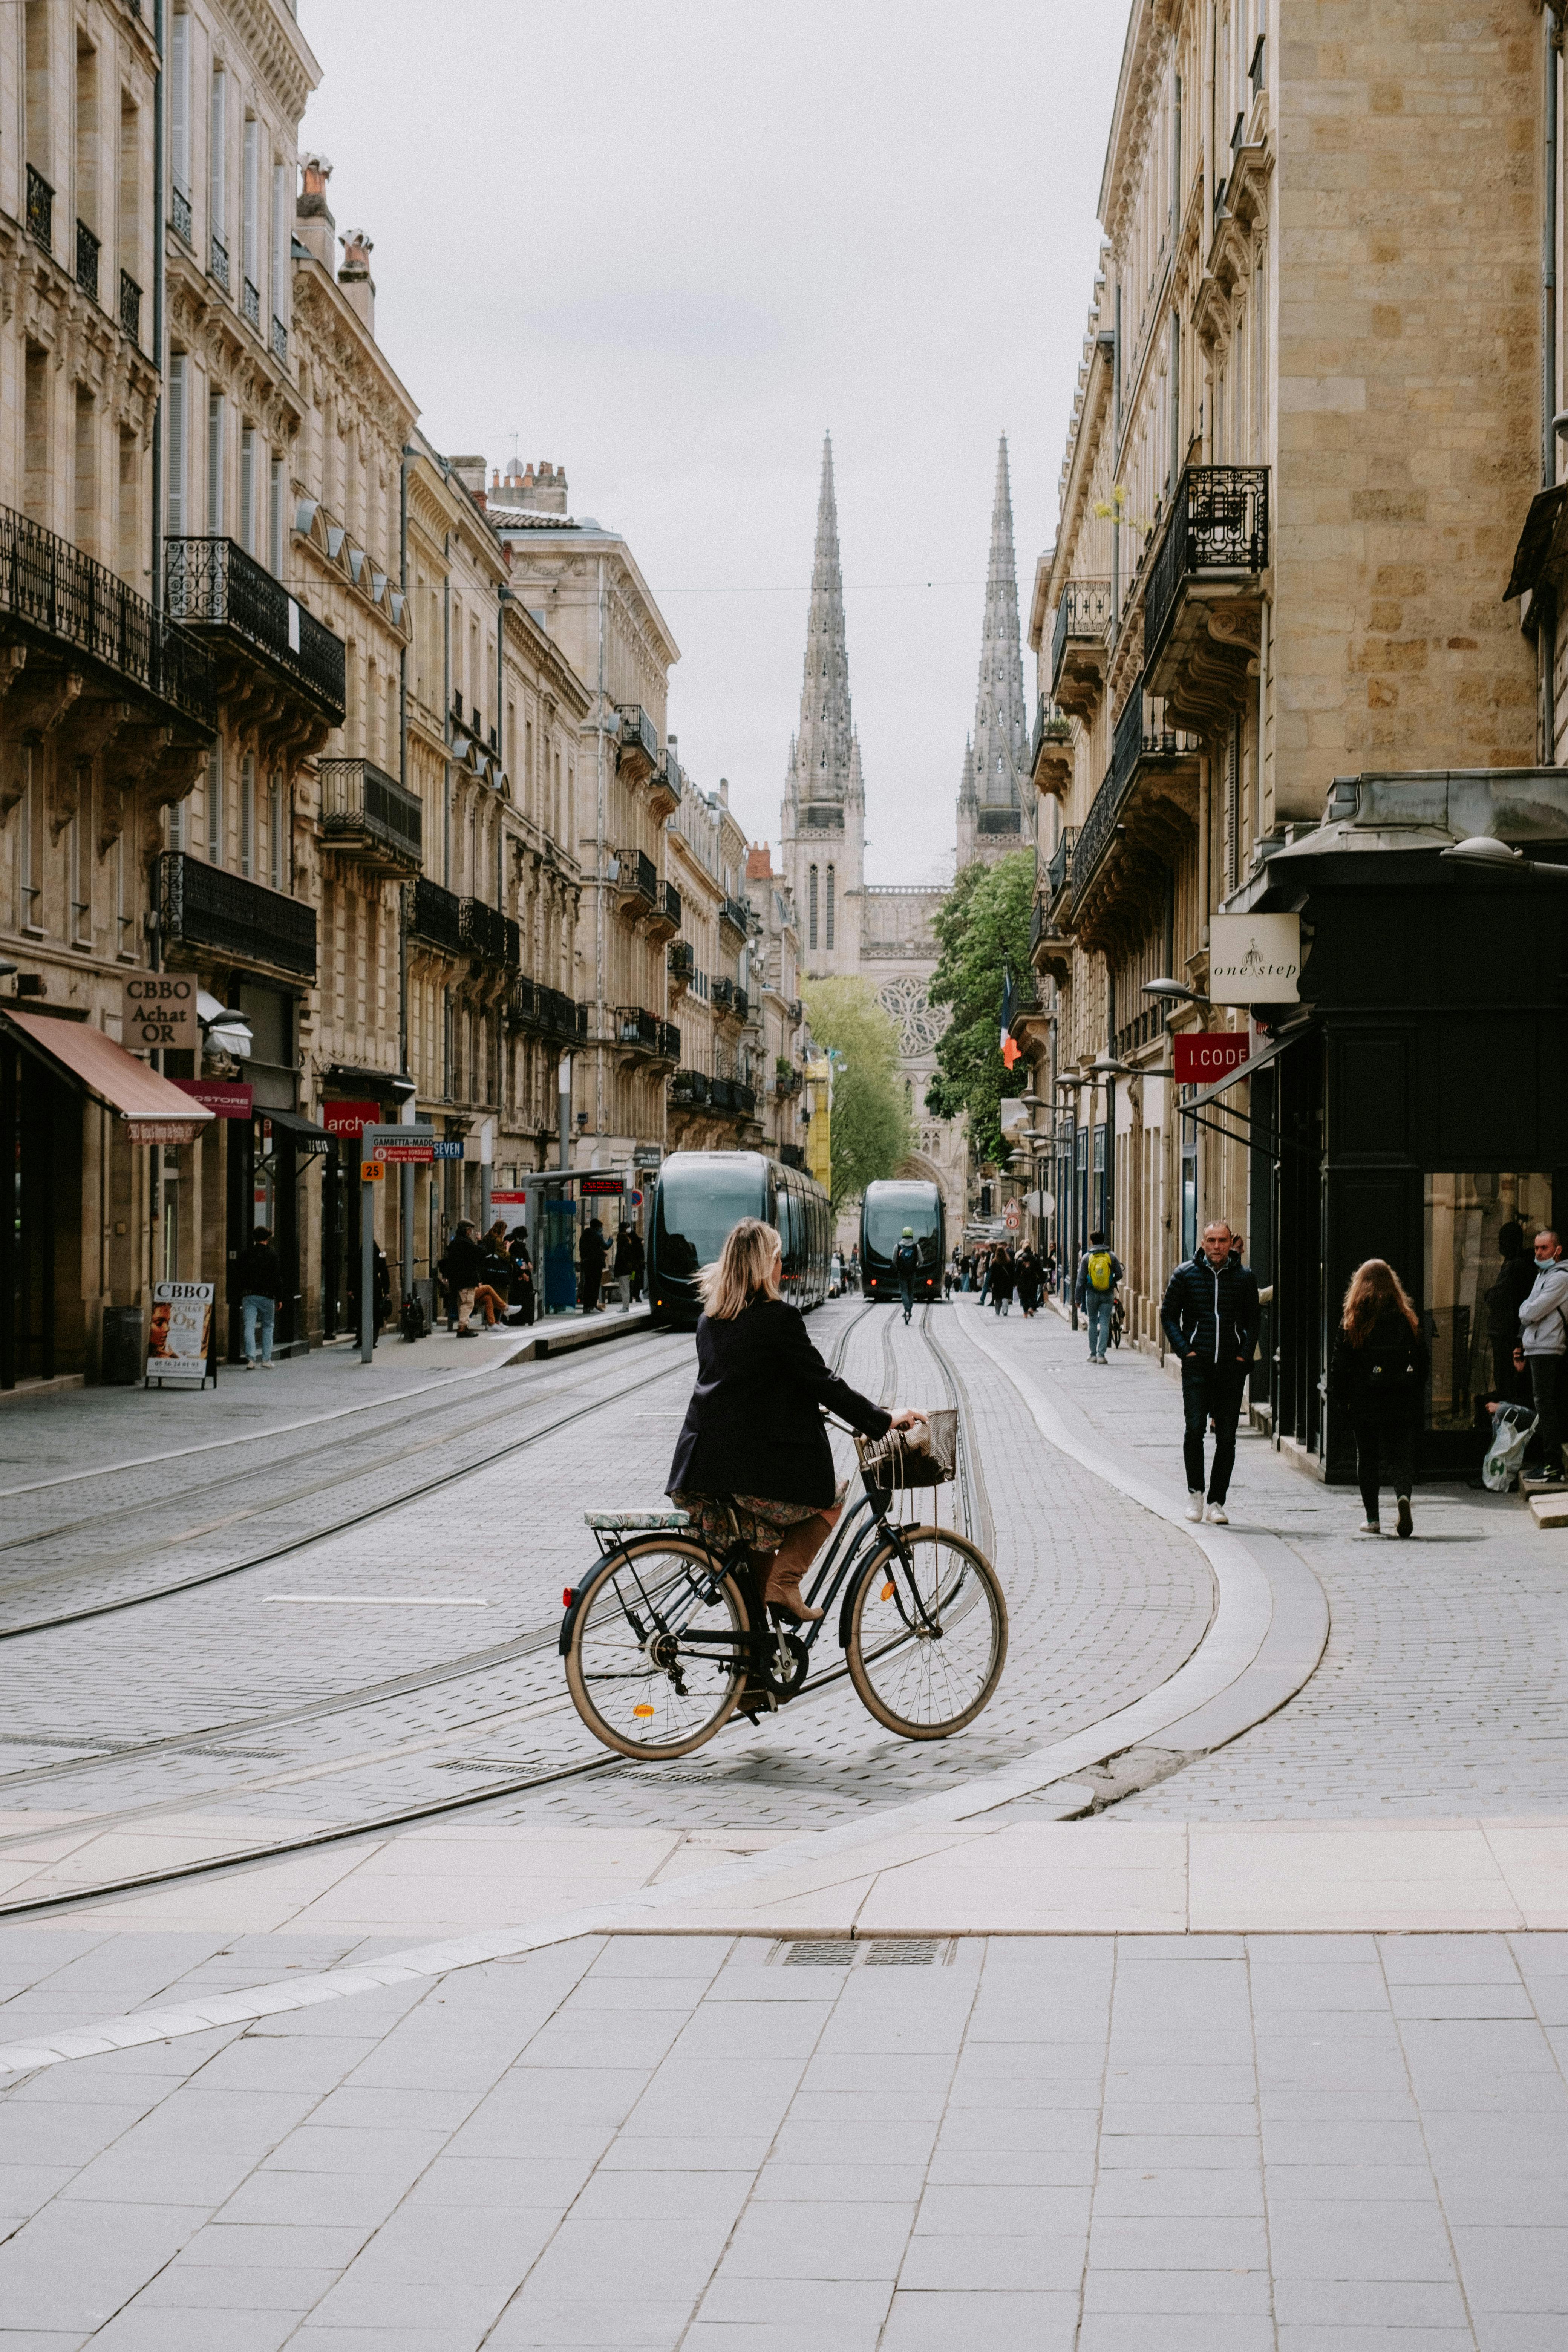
871, 1122
981, 926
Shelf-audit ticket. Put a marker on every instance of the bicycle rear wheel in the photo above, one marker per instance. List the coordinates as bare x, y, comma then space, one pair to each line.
655, 1665
928, 1639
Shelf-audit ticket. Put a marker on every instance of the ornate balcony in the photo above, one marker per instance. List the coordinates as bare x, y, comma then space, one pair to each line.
485, 932
738, 915
1203, 600
180, 216
250, 303
640, 1032
213, 585
730, 1003
130, 307
682, 965
40, 209
1050, 753
217, 263
665, 920
638, 885
88, 248
204, 909
50, 590
530, 1005
435, 917
637, 752
367, 813
279, 343
1078, 647
665, 786
669, 1041
1145, 811
689, 1089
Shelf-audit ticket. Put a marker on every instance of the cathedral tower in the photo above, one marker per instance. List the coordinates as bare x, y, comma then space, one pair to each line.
823, 816
991, 798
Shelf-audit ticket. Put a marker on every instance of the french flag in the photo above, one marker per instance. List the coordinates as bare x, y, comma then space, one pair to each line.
1009, 1042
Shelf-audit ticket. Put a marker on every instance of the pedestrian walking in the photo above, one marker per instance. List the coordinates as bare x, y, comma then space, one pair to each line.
1210, 1316
1004, 1276
621, 1267
752, 1452
1542, 1341
522, 1265
1030, 1275
463, 1267
638, 1262
1099, 1272
1377, 1373
592, 1251
907, 1266
1515, 1277
259, 1280
380, 1291
984, 1260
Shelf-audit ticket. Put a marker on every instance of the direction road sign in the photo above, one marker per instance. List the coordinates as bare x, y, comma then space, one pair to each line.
372, 1173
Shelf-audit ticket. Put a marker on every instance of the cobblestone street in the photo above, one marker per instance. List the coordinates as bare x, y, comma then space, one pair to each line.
948, 2066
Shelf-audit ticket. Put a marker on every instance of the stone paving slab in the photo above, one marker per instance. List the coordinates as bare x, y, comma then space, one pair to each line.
1204, 2140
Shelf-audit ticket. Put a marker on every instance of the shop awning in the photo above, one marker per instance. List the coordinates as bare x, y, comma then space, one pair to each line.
1244, 1070
303, 1133
383, 1084
1537, 541
154, 1111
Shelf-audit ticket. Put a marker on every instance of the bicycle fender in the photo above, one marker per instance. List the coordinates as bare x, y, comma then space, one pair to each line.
565, 1643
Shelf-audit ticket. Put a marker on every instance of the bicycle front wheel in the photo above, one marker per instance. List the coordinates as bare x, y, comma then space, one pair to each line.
657, 1653
928, 1637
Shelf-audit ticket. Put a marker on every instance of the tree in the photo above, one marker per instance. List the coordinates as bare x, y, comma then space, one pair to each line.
870, 1136
983, 929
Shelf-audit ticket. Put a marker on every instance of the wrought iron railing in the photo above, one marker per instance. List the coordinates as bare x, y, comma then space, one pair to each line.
202, 906
683, 960
737, 914
669, 1041
638, 731
640, 875
51, 586
87, 248
359, 797
217, 262
213, 583
1051, 726
1141, 734
535, 1006
689, 1088
482, 932
1058, 868
669, 903
40, 209
279, 343
1083, 612
1218, 523
250, 303
180, 217
635, 1028
129, 306
722, 1093
436, 917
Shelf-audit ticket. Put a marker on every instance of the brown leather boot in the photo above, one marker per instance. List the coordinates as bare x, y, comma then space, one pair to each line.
782, 1591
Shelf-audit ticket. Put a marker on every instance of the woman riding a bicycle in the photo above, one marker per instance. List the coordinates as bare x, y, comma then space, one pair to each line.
752, 1452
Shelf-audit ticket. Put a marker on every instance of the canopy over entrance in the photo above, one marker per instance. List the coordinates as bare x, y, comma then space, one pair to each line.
154, 1110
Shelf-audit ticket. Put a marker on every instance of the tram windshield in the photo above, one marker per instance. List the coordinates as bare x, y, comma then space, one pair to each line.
698, 1205
891, 1207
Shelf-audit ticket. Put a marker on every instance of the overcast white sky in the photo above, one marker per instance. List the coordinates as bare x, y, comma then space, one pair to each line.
665, 242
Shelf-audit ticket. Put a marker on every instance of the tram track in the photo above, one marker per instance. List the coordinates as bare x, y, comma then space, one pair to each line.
531, 1642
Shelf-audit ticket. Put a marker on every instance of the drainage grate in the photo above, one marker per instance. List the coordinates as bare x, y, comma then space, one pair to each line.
903, 1951
819, 1953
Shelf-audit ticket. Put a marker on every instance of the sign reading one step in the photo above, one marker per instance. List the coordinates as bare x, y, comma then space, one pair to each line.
158, 1014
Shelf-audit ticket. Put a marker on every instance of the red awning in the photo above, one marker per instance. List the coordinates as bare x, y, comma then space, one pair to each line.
154, 1110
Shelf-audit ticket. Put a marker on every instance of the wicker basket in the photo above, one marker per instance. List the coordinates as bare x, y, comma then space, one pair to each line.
926, 1455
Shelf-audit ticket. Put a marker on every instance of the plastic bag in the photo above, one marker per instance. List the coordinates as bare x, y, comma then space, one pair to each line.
925, 1455
1513, 1426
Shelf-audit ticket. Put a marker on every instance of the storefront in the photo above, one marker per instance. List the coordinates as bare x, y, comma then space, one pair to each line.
1414, 1103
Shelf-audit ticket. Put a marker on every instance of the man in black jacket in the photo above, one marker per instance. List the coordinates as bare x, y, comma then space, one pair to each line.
464, 1267
591, 1252
1210, 1316
257, 1284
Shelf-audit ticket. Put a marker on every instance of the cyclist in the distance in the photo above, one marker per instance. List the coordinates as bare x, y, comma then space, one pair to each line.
753, 1445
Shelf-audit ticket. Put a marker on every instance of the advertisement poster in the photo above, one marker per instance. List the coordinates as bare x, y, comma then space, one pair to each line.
181, 1338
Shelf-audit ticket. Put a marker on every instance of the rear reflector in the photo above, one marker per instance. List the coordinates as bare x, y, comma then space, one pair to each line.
567, 1598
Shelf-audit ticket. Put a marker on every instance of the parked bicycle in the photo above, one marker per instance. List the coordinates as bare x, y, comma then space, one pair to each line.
668, 1637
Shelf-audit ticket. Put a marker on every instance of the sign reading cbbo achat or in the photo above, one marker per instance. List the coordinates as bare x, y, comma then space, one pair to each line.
158, 1013
1254, 959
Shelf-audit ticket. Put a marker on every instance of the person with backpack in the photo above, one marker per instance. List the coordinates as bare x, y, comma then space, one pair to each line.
1210, 1315
1004, 1279
906, 1268
1099, 1272
1543, 1343
1377, 1373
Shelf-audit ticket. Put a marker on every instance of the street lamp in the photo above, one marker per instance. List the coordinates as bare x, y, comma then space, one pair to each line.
1485, 850
1175, 992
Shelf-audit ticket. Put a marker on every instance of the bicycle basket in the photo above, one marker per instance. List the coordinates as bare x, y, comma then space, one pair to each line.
926, 1455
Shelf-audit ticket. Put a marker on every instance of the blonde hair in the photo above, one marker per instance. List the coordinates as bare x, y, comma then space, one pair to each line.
744, 1269
1373, 1288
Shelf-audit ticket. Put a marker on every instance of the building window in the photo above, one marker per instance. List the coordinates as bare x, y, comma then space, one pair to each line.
831, 895
214, 463
275, 843
281, 208
249, 198
248, 518
177, 434
218, 160
180, 113
177, 826
811, 908
247, 815
215, 803
128, 511
29, 849
1464, 1215
274, 518
79, 862
123, 919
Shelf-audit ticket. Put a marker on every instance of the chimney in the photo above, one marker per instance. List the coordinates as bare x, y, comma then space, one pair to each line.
538, 489
723, 792
470, 472
313, 223
355, 279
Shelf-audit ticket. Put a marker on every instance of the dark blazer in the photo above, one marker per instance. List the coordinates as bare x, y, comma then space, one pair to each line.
754, 1422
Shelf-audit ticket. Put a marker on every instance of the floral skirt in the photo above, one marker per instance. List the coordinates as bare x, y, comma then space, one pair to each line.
760, 1520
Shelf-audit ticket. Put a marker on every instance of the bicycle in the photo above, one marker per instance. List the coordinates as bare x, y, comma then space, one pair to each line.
669, 1637
1118, 1321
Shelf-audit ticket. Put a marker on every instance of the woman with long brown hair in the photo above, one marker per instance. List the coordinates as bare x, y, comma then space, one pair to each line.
1378, 1375
753, 1451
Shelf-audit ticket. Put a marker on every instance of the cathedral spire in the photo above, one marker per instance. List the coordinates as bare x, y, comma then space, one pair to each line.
823, 765
996, 759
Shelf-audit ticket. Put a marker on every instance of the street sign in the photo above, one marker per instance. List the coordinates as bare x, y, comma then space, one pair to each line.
1012, 1216
158, 1013
449, 1146
349, 1117
647, 1155
1200, 1056
509, 1200
223, 1098
1254, 959
371, 1171
635, 1200
595, 1187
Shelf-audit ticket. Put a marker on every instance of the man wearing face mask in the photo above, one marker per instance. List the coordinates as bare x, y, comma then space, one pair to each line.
1210, 1316
1543, 1343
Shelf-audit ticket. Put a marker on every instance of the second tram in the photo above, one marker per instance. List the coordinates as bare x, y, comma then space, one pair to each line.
885, 1210
700, 1195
